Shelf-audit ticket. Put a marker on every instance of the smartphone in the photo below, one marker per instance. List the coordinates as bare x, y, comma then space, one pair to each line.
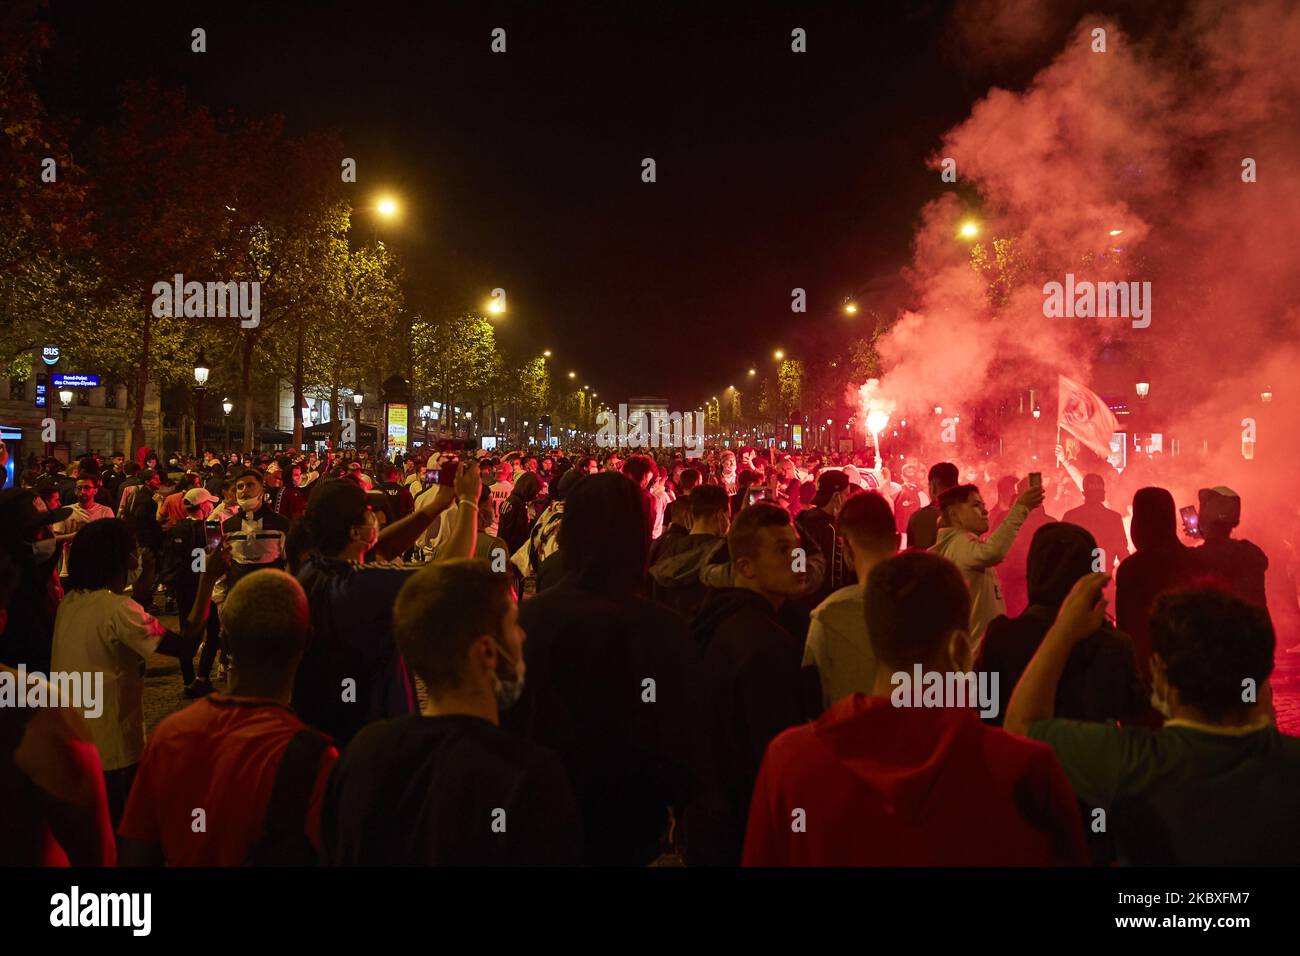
1035, 479
212, 535
430, 476
1191, 523
755, 495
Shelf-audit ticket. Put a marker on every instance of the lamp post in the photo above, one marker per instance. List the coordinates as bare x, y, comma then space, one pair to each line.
1143, 388
227, 406
201, 371
1266, 396
65, 402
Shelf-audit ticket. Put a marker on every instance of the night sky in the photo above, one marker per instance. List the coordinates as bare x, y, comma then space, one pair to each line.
523, 170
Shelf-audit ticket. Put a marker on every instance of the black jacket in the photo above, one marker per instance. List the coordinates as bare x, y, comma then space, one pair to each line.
513, 525
752, 690
586, 697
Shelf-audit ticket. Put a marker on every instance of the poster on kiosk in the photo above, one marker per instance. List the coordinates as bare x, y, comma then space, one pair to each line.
395, 416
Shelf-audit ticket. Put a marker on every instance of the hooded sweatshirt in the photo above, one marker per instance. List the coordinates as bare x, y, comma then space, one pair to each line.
1161, 563
870, 784
1100, 680
675, 577
752, 691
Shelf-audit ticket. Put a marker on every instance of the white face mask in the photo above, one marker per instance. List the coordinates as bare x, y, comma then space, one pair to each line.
508, 690
370, 537
249, 505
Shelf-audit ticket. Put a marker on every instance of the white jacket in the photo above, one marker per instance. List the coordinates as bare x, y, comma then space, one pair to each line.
976, 560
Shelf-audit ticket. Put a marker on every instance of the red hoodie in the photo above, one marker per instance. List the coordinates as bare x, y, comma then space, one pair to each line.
886, 786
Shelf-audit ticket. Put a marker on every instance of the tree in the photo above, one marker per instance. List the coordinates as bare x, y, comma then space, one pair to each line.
162, 201
452, 356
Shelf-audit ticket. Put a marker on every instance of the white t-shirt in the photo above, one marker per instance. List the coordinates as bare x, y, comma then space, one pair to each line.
103, 632
74, 522
500, 492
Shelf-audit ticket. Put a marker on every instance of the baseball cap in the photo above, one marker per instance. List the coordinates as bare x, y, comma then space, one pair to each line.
198, 496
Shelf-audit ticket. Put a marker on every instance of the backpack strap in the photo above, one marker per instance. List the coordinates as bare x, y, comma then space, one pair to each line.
295, 779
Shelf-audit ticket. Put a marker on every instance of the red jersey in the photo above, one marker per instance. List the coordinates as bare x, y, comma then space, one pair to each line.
219, 755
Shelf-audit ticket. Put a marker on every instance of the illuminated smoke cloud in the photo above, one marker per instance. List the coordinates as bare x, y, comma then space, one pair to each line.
1118, 166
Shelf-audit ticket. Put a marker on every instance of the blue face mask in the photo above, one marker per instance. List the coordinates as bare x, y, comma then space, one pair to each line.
508, 690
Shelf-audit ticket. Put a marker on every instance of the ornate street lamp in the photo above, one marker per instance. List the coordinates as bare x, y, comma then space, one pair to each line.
201, 372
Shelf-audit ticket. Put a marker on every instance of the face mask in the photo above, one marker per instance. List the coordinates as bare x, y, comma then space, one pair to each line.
370, 538
508, 690
43, 551
249, 505
133, 575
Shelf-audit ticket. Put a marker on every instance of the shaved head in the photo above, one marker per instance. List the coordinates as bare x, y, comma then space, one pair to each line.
265, 622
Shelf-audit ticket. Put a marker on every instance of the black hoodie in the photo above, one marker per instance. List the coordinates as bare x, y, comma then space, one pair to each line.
1100, 680
752, 692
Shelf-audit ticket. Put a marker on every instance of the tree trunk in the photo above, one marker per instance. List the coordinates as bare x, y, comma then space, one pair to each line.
245, 389
142, 374
334, 416
298, 383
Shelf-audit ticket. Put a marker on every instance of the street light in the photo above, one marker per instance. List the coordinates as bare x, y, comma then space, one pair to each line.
573, 375
969, 229
1143, 388
752, 372
778, 355
357, 399
850, 307
227, 406
1266, 395
546, 353
387, 207
201, 371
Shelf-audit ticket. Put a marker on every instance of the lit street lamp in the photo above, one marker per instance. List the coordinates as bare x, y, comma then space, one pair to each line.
201, 372
1142, 389
227, 406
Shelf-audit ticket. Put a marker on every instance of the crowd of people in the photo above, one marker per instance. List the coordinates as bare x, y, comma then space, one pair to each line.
465, 658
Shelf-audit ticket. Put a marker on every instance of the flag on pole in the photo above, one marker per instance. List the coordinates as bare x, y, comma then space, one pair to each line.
1083, 414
